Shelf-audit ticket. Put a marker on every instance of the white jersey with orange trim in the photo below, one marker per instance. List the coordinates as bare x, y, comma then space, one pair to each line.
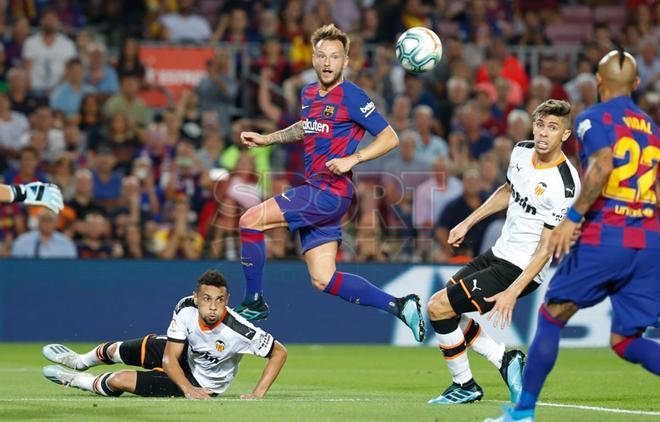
215, 352
540, 197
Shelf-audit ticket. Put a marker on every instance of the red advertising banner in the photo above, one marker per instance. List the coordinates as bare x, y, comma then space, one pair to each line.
173, 67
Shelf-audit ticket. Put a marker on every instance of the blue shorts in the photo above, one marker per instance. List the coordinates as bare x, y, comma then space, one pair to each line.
316, 213
630, 277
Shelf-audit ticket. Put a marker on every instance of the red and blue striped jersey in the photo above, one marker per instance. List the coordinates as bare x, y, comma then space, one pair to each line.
624, 214
334, 125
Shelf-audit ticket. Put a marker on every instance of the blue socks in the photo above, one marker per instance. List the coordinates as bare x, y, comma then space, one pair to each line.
640, 350
355, 289
541, 358
253, 258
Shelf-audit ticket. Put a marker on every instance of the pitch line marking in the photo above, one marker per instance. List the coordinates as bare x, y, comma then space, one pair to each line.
331, 400
593, 408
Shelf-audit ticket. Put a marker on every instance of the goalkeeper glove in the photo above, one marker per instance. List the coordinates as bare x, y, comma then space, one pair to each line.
37, 193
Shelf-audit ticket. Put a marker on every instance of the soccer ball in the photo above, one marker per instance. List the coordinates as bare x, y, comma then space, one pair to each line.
418, 50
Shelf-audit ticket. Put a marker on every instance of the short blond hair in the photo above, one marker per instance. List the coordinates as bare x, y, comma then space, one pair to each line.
332, 33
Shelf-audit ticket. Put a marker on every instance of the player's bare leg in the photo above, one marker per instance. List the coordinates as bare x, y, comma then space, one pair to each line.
252, 225
352, 288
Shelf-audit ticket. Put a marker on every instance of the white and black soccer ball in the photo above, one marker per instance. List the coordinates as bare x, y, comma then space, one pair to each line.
418, 50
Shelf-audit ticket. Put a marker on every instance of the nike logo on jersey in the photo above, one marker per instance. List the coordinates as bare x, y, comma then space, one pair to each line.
306, 106
517, 167
583, 127
474, 285
286, 197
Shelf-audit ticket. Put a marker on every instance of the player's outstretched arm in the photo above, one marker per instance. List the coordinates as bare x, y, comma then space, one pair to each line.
270, 373
505, 301
293, 133
386, 141
598, 171
497, 201
36, 193
173, 370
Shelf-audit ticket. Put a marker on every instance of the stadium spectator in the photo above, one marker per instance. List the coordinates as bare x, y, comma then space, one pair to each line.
43, 119
28, 168
46, 53
22, 100
83, 201
429, 145
177, 238
107, 183
212, 147
20, 31
518, 125
343, 13
121, 136
458, 91
133, 246
62, 174
90, 116
456, 211
234, 28
147, 196
300, 52
218, 89
75, 143
13, 126
67, 96
100, 74
502, 148
94, 243
399, 118
129, 58
432, 196
184, 25
45, 241
127, 101
648, 64
470, 118
405, 170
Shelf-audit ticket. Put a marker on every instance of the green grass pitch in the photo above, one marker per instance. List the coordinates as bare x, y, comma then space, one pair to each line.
339, 383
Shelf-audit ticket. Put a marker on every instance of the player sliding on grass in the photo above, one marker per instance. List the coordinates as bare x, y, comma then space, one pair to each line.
198, 359
541, 184
35, 193
333, 118
618, 254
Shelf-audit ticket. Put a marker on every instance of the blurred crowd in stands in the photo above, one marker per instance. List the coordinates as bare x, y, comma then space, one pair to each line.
170, 181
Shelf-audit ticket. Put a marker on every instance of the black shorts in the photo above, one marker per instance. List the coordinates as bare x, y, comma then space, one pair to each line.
147, 352
484, 277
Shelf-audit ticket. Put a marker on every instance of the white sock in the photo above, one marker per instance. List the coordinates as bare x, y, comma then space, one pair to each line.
483, 343
93, 357
458, 365
84, 381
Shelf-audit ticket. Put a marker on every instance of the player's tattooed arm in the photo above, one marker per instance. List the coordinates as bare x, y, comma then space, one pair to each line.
600, 167
293, 133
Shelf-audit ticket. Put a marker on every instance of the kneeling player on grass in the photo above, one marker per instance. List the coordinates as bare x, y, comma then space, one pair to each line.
197, 359
541, 185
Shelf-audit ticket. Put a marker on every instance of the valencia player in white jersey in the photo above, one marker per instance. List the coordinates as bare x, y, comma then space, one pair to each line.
197, 359
541, 185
